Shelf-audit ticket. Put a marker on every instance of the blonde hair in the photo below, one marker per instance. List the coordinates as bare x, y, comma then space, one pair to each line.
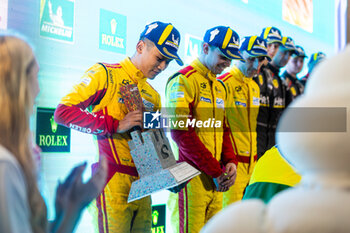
16, 101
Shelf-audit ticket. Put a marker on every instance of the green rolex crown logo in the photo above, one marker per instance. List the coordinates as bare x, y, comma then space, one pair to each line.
155, 215
53, 125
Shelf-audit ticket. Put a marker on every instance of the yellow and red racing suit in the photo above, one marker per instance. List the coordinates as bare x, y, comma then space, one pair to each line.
242, 108
99, 90
194, 93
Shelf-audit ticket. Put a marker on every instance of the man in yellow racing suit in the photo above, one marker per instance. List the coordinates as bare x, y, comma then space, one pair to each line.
110, 121
194, 95
242, 108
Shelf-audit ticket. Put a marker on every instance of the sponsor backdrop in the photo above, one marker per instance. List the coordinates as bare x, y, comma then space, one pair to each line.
71, 35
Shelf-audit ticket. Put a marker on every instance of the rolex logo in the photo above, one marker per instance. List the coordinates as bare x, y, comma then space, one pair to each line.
53, 125
113, 26
155, 216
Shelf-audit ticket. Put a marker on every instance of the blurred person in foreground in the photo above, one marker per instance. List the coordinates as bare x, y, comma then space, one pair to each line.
22, 208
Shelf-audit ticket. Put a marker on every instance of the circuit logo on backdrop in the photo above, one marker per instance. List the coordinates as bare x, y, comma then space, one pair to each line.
112, 32
193, 47
57, 19
3, 14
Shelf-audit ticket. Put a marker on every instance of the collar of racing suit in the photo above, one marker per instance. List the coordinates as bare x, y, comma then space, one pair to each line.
238, 75
290, 77
203, 70
305, 78
135, 74
274, 69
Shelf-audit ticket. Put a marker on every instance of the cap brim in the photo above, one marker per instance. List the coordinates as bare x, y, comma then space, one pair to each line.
298, 55
169, 55
180, 62
294, 51
267, 57
260, 55
273, 41
289, 48
234, 55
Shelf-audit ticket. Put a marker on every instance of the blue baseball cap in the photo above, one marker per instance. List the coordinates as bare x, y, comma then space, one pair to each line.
271, 35
300, 51
165, 37
288, 44
255, 46
226, 39
315, 57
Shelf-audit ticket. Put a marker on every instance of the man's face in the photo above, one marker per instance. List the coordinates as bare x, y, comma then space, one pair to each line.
251, 65
152, 61
282, 57
295, 65
216, 62
272, 49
